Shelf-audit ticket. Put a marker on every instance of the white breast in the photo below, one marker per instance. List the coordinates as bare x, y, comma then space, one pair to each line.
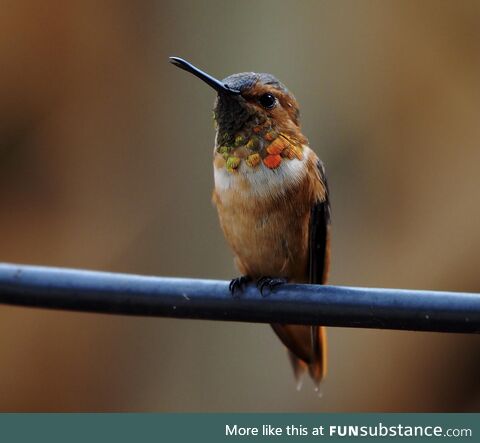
261, 182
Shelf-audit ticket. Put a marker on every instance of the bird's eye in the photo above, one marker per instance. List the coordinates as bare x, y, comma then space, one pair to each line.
268, 101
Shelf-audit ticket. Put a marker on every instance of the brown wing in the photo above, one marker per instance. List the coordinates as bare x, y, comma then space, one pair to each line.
307, 345
319, 235
319, 265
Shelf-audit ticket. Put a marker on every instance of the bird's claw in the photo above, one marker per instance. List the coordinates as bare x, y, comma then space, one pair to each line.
238, 283
270, 283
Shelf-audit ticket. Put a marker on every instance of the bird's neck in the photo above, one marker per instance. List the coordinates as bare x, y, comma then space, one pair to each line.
260, 142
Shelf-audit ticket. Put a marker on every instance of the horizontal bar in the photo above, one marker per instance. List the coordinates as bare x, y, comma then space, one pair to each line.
111, 293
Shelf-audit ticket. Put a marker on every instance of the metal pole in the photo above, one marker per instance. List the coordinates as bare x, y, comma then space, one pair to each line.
103, 292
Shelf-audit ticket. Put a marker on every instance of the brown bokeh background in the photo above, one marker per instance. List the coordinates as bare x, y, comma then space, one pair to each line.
105, 163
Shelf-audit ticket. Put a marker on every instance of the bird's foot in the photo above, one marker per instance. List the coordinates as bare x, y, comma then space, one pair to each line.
270, 283
238, 283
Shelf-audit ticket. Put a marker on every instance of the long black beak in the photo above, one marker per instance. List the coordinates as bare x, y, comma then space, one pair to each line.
208, 79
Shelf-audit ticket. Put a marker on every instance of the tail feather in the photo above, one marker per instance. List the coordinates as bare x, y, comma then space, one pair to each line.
318, 367
299, 368
307, 347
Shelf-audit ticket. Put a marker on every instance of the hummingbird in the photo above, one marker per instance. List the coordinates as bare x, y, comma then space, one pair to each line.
272, 198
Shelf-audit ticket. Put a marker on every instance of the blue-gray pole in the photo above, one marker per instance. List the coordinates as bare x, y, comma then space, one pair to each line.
103, 292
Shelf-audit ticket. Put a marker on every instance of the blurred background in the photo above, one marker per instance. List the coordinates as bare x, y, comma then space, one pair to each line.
105, 163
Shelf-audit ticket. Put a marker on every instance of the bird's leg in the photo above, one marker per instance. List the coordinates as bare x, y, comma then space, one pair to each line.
269, 282
238, 283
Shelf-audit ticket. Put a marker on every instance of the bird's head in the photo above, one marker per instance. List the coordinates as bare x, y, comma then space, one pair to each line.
257, 118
